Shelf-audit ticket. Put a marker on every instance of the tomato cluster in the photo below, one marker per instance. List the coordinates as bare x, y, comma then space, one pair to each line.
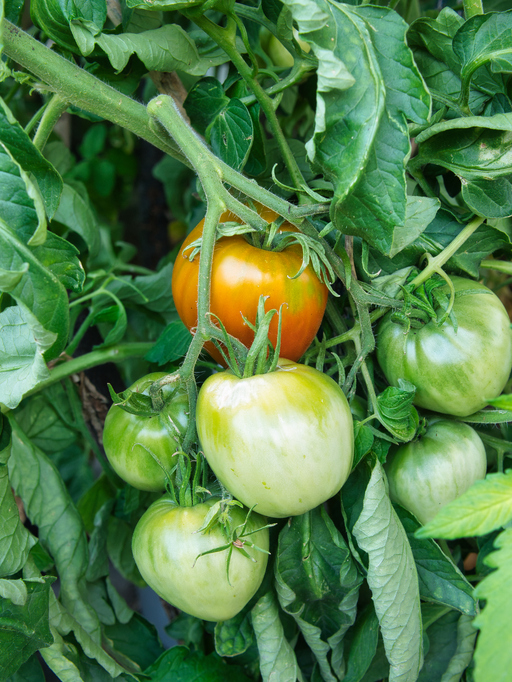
282, 442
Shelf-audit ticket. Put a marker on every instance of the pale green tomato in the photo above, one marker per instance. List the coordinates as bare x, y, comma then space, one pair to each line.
427, 473
282, 441
455, 370
166, 546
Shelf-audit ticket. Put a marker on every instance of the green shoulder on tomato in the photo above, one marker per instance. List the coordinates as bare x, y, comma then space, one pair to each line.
282, 441
455, 369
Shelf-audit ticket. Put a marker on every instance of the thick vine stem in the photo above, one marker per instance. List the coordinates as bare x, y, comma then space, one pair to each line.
81, 88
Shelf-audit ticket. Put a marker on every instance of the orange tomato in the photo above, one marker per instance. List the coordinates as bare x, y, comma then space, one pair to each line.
241, 273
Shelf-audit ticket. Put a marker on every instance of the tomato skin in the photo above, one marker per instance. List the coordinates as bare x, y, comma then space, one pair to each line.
240, 274
455, 372
165, 548
160, 433
282, 441
426, 474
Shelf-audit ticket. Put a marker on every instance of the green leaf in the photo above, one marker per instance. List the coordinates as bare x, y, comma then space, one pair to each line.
317, 583
363, 441
379, 198
466, 636
163, 4
165, 49
396, 411
392, 579
24, 627
361, 139
493, 660
152, 292
30, 671
179, 664
24, 342
486, 506
362, 646
119, 547
478, 150
485, 39
38, 289
450, 639
439, 578
61, 259
171, 345
47, 419
48, 505
21, 205
432, 42
14, 590
277, 658
204, 101
234, 636
58, 658
137, 640
419, 214
15, 540
30, 159
76, 214
350, 96
231, 134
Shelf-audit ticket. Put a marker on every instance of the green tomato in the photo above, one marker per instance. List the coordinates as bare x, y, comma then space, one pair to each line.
282, 441
166, 546
129, 438
455, 370
427, 473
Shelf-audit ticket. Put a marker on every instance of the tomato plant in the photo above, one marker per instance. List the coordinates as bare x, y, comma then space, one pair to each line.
373, 157
457, 366
169, 547
139, 445
435, 469
241, 273
282, 441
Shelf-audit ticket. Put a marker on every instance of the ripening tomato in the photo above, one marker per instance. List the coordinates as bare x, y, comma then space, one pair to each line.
282, 441
166, 546
435, 469
128, 437
455, 370
241, 273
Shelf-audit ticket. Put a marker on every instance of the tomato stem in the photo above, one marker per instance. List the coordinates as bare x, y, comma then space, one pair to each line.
227, 42
56, 107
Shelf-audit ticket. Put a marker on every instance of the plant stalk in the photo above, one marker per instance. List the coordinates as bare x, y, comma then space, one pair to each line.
81, 88
220, 36
56, 107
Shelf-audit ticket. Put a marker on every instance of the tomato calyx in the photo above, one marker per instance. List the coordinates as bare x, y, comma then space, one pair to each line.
261, 357
236, 536
423, 304
272, 239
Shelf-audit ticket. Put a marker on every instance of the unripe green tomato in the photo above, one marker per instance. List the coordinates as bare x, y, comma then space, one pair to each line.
282, 441
128, 437
435, 469
166, 546
455, 370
